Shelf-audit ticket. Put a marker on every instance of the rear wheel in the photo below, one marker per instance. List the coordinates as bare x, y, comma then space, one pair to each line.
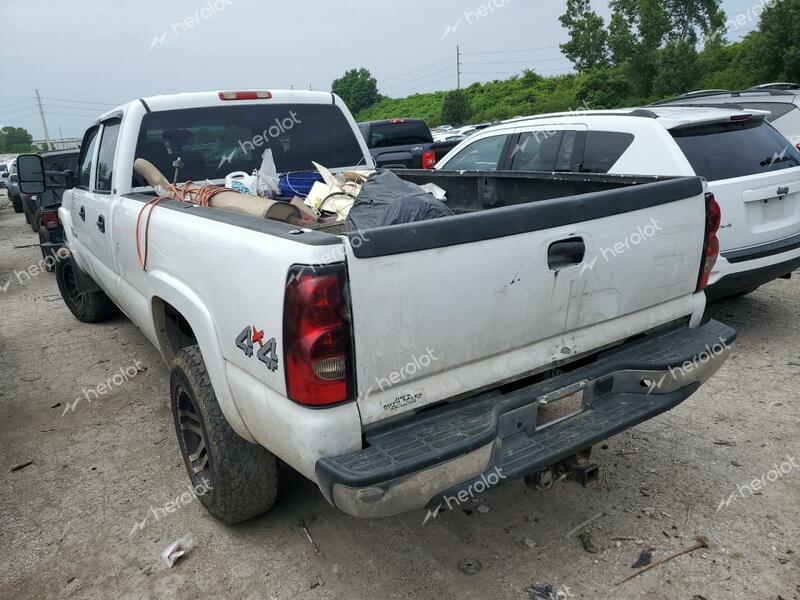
37, 219
88, 306
16, 202
233, 479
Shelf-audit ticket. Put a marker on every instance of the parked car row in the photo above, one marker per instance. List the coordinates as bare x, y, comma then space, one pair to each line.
396, 366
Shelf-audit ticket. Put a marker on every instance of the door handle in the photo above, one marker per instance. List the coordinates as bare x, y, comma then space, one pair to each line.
82, 213
566, 253
101, 223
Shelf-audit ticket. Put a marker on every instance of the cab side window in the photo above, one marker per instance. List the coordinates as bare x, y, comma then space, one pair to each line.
85, 162
105, 158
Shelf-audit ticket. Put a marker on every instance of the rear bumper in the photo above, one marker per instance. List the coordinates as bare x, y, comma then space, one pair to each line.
745, 270
448, 453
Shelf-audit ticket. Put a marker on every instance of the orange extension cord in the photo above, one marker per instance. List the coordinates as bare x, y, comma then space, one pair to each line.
199, 197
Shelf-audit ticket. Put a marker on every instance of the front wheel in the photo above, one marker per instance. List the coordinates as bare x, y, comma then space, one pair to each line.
233, 479
86, 304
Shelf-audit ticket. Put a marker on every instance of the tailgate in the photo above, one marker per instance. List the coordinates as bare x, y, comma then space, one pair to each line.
758, 209
448, 307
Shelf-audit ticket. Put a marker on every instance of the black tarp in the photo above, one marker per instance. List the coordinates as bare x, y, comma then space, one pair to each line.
385, 199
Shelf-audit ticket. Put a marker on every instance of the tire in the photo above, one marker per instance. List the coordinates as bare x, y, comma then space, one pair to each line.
36, 221
238, 480
88, 306
16, 202
26, 210
49, 257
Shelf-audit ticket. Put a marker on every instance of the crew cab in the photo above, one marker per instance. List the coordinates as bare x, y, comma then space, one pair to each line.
752, 170
394, 366
404, 143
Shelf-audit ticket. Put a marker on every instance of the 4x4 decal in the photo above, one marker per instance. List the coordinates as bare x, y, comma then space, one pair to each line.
268, 351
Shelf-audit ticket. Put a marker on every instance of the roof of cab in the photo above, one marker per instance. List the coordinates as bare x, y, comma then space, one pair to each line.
206, 99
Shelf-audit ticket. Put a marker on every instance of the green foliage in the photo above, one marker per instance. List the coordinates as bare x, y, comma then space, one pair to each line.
456, 108
16, 139
587, 47
776, 47
358, 88
652, 53
676, 69
604, 88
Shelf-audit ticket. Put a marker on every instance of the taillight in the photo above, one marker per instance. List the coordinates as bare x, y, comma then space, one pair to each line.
246, 95
429, 159
50, 220
798, 147
318, 349
711, 249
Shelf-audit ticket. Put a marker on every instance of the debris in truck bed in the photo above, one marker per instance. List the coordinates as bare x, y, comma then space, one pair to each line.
385, 199
22, 466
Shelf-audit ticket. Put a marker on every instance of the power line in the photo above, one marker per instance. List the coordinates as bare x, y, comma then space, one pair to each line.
17, 102
514, 51
416, 87
518, 62
405, 83
438, 62
85, 103
92, 109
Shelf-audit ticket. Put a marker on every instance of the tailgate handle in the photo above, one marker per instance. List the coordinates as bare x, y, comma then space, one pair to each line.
566, 253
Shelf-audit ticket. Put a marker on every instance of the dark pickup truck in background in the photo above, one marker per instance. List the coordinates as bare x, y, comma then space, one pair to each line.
403, 144
60, 168
55, 161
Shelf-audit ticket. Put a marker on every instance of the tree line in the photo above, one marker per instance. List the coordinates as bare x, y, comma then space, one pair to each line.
646, 51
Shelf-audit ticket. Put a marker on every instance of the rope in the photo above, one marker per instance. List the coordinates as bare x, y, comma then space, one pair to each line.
198, 197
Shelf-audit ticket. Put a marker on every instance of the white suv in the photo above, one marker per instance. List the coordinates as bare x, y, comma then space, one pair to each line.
753, 171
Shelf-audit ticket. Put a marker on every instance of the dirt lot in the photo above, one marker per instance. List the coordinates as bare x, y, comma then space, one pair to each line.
87, 518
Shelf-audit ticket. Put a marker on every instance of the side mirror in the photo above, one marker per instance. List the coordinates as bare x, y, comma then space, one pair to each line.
69, 179
30, 174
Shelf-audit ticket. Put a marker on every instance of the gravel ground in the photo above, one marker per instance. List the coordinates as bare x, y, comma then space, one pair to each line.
87, 517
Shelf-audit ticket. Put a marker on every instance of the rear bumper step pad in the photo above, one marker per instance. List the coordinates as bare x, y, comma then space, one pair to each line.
435, 455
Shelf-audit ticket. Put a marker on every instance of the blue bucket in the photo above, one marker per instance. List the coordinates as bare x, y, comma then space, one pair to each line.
298, 184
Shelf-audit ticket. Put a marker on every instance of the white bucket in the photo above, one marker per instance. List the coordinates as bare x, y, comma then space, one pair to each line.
242, 182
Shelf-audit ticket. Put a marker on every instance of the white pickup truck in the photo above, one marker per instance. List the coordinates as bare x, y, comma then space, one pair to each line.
395, 367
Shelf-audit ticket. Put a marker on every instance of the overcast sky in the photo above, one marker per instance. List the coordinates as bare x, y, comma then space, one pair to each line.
85, 56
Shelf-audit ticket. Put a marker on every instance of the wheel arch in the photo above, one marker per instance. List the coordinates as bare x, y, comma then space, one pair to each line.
179, 317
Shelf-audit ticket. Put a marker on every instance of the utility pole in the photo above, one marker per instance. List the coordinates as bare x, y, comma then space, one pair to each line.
44, 123
458, 66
